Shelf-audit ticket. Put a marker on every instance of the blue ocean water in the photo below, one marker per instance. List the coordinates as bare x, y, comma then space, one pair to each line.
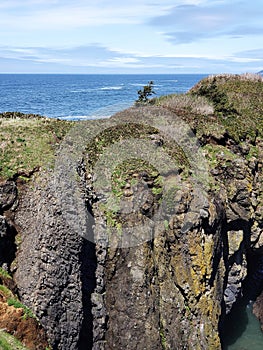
243, 331
75, 97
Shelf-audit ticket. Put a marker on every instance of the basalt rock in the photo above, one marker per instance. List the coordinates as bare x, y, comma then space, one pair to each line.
258, 309
50, 276
8, 195
134, 273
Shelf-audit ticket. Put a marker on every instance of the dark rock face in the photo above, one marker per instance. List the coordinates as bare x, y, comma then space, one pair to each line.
7, 242
141, 292
160, 288
258, 309
8, 195
171, 291
51, 269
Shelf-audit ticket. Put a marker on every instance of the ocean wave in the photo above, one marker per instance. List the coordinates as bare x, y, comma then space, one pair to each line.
111, 88
139, 84
81, 90
83, 117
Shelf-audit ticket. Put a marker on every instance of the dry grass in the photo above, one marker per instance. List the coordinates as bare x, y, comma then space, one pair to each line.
188, 103
240, 77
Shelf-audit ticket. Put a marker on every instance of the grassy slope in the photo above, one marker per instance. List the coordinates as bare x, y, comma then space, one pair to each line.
216, 106
8, 342
223, 104
28, 142
226, 114
238, 103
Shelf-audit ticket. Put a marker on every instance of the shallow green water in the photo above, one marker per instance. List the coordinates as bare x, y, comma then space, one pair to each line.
242, 330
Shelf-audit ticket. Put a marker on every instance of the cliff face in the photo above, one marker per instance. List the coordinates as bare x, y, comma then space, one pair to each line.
147, 243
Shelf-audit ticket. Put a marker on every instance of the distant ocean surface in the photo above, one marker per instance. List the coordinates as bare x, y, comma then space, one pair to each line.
74, 97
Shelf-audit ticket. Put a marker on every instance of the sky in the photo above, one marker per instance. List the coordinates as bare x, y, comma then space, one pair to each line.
131, 37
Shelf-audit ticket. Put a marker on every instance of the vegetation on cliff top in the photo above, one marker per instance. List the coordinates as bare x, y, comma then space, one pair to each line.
218, 109
28, 142
218, 106
238, 103
221, 106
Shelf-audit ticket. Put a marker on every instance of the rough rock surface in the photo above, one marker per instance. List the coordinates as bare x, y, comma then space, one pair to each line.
258, 309
174, 289
50, 277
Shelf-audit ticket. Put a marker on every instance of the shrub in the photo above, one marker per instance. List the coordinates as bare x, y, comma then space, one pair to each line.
218, 98
145, 92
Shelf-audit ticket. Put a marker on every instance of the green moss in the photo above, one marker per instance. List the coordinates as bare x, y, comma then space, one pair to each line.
170, 199
166, 225
253, 152
163, 338
128, 172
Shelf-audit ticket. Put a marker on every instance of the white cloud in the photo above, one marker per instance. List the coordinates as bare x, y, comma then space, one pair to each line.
99, 57
33, 14
190, 23
172, 34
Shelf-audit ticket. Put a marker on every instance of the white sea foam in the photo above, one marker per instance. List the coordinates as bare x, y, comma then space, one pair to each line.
83, 117
111, 88
139, 84
133, 84
81, 90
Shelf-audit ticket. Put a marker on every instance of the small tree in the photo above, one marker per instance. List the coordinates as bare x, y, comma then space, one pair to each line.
145, 92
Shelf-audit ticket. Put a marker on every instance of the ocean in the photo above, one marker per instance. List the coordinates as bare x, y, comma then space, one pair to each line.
75, 97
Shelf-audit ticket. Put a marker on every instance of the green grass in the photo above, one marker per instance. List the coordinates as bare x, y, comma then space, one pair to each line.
9, 342
238, 103
28, 143
218, 155
129, 170
115, 134
125, 171
7, 292
225, 112
128, 173
4, 273
17, 304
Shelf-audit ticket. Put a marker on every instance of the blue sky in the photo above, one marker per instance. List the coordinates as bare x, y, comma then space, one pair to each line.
135, 36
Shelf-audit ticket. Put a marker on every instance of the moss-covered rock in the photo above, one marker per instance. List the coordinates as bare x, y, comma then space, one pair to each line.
172, 290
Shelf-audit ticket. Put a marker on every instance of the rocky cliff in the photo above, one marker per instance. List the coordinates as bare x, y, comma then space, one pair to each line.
147, 228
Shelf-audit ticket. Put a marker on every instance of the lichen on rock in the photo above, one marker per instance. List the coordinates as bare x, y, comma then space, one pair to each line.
148, 228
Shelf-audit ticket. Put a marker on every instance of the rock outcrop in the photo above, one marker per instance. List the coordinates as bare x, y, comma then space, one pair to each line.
258, 309
145, 244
